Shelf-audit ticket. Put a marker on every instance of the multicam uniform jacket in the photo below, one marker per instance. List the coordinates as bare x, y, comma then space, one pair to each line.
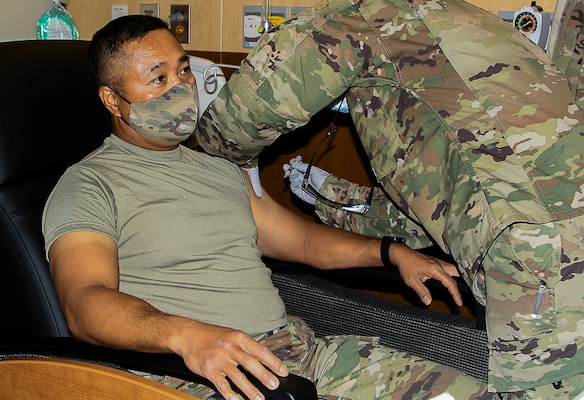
468, 126
568, 49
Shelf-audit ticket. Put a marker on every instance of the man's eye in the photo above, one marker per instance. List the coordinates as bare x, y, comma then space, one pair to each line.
158, 79
186, 70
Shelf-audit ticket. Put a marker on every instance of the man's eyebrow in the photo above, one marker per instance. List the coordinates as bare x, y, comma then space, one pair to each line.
182, 59
156, 66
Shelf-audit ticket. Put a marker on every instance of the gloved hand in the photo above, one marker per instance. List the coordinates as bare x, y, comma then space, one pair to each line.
254, 176
295, 173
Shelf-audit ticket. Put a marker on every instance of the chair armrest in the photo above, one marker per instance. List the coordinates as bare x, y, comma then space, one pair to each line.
292, 387
331, 309
55, 378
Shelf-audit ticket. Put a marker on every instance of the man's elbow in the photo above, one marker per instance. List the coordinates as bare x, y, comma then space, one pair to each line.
78, 327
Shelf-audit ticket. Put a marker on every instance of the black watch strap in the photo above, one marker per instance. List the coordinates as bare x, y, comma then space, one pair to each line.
386, 243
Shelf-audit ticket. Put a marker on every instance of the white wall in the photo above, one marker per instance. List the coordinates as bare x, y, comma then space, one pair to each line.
19, 17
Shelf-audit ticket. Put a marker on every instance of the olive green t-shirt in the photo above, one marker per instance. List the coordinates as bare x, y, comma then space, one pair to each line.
184, 228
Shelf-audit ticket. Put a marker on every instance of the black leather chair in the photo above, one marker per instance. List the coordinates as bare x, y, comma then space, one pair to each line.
50, 117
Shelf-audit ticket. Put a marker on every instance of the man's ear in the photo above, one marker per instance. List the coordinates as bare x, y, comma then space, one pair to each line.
109, 99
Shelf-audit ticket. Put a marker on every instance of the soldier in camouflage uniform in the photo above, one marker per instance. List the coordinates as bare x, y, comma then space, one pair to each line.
471, 132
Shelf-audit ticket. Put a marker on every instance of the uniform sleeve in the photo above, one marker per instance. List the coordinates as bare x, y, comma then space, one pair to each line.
382, 219
79, 202
292, 73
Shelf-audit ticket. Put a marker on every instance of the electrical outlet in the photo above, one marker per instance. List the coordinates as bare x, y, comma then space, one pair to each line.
152, 10
180, 22
251, 26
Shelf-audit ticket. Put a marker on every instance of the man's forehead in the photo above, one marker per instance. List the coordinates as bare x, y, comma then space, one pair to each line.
155, 50
153, 42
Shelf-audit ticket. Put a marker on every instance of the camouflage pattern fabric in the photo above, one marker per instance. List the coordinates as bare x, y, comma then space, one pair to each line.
569, 48
357, 368
469, 127
534, 310
170, 117
567, 389
382, 219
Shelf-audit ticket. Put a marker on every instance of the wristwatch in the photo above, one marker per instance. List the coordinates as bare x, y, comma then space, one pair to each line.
386, 243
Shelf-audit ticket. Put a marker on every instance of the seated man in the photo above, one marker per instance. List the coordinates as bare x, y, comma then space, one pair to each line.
155, 247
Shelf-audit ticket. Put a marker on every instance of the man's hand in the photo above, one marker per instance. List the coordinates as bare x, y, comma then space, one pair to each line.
416, 268
215, 353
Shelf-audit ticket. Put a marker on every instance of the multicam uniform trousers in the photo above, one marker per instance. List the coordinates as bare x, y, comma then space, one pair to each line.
357, 368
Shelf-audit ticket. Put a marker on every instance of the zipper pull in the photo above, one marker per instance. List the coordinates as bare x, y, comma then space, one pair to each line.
542, 287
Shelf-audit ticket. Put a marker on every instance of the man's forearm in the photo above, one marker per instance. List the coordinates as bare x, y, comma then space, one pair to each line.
332, 248
107, 317
110, 318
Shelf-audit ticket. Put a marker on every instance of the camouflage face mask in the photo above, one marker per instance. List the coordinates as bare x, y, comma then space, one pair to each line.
169, 118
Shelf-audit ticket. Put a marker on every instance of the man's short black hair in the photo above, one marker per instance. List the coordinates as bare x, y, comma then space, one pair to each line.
106, 51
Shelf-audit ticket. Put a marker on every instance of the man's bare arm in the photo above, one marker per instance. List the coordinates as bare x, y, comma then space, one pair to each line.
84, 266
289, 237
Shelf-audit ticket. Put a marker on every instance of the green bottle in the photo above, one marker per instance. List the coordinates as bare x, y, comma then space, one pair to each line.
57, 24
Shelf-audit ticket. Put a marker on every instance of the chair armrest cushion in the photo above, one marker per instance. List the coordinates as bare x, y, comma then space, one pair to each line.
331, 309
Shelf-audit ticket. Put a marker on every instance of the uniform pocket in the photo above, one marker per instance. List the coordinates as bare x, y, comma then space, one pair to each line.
522, 269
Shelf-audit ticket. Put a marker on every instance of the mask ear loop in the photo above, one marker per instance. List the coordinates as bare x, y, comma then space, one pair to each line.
123, 98
119, 95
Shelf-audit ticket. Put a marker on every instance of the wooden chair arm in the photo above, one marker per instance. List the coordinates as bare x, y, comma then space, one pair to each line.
43, 378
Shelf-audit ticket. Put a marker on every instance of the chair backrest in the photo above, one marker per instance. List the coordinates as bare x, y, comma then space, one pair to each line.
50, 118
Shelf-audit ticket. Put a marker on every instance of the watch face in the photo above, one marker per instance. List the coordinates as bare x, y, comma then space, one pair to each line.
525, 22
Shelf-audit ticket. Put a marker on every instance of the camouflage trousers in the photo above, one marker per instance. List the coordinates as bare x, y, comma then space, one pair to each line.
352, 367
568, 389
534, 281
